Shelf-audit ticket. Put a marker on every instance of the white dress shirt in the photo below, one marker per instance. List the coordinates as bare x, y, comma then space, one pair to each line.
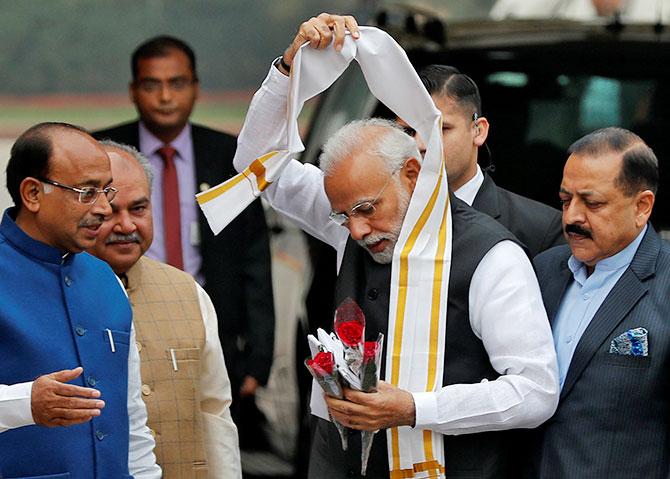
506, 309
15, 411
469, 190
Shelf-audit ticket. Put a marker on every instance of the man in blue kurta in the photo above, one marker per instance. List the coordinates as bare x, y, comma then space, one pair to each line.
65, 320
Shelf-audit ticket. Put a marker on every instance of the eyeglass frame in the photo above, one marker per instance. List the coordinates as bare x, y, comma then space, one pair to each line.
82, 191
341, 218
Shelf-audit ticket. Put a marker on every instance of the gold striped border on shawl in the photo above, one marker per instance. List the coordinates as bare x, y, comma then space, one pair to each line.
433, 468
256, 168
435, 322
402, 302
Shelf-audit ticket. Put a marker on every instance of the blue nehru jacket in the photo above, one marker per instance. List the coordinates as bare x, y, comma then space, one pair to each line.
54, 314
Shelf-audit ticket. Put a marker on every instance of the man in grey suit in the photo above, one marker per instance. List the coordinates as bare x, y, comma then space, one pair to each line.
606, 295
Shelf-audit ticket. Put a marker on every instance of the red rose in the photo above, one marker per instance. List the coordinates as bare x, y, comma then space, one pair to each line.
322, 362
349, 323
370, 351
350, 333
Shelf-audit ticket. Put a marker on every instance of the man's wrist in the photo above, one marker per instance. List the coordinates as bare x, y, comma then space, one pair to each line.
282, 66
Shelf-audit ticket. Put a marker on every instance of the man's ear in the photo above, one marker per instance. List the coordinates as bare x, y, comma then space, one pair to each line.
481, 131
410, 172
31, 193
644, 205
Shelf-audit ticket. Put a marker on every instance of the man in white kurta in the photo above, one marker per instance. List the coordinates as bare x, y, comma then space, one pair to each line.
505, 307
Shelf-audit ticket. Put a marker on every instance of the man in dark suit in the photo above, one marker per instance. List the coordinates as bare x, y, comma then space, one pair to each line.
233, 267
606, 295
464, 131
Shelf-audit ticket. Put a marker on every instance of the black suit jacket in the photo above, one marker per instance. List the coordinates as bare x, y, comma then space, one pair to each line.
535, 224
235, 264
613, 418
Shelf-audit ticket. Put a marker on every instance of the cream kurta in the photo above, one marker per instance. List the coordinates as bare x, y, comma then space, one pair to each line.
185, 382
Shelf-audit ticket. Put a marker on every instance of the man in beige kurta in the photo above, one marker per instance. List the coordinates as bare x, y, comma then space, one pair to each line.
185, 383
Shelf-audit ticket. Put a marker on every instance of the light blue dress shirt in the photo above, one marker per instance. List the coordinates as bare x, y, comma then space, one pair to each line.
583, 298
185, 165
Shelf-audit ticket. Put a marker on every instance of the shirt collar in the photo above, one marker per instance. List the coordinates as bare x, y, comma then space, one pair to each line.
469, 190
150, 144
20, 240
622, 259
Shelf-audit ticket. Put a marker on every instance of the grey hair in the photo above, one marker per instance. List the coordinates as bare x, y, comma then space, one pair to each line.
393, 146
139, 157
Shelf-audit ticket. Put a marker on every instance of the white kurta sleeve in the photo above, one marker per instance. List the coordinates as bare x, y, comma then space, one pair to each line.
299, 192
15, 406
507, 314
141, 458
220, 432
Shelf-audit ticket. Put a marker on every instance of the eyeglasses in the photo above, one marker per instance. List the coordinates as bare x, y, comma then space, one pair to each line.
88, 194
364, 209
151, 85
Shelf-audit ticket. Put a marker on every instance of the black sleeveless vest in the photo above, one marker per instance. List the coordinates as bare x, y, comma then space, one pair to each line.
481, 455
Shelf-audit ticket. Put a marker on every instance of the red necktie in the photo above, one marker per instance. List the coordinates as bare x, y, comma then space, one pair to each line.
171, 216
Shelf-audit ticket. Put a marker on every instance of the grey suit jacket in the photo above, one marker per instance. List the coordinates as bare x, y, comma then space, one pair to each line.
535, 224
613, 418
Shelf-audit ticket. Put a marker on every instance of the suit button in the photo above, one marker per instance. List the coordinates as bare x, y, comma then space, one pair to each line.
80, 331
351, 473
68, 281
146, 390
373, 294
100, 435
91, 381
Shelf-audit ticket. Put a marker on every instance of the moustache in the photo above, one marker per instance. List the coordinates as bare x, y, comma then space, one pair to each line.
375, 238
578, 230
133, 237
89, 222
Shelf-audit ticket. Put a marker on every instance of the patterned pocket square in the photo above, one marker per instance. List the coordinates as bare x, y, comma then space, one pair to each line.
631, 343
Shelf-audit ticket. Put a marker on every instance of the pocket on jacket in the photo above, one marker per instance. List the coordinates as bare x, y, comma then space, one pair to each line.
628, 360
115, 337
183, 354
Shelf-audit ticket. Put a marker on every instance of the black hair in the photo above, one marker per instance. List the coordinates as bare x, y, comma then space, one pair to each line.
639, 168
161, 46
449, 81
30, 155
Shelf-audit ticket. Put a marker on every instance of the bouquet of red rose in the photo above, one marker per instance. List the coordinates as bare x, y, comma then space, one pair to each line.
356, 362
